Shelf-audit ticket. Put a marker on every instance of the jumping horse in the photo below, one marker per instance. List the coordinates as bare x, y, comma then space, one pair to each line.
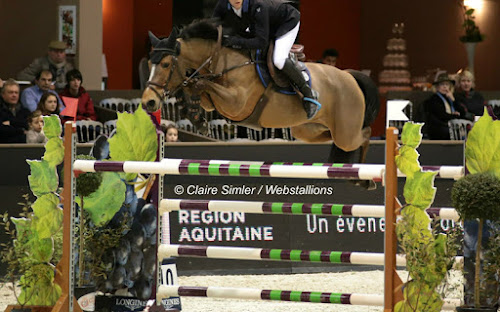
226, 80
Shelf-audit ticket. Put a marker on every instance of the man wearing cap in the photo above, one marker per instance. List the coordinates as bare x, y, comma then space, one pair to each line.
55, 61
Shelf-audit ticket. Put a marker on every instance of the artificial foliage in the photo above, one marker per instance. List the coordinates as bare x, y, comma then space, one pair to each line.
37, 236
135, 139
477, 195
429, 254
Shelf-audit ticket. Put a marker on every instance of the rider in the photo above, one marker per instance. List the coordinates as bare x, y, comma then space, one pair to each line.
256, 22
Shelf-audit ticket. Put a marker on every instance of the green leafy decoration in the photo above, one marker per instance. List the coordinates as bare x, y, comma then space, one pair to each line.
107, 200
54, 152
39, 288
419, 299
135, 139
412, 134
482, 150
42, 249
427, 254
22, 225
419, 190
51, 126
48, 216
407, 161
43, 178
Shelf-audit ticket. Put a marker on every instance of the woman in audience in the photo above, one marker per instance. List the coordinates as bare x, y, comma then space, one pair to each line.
441, 107
465, 94
74, 89
48, 104
35, 124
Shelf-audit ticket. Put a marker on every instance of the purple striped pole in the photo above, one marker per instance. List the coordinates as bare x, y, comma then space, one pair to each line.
248, 253
280, 295
376, 211
267, 294
255, 169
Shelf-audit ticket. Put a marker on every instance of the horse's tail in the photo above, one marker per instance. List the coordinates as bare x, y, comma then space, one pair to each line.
370, 91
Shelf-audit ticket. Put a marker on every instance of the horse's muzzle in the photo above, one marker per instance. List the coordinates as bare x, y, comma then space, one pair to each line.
151, 106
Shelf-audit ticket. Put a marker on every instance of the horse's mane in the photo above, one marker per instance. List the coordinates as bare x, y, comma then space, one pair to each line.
201, 29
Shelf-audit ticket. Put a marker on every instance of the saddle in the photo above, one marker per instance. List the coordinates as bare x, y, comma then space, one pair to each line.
297, 56
269, 73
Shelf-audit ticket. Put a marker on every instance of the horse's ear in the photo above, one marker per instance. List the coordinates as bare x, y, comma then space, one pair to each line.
172, 39
154, 40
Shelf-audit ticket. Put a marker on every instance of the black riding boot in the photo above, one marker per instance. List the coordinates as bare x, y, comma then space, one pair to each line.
311, 105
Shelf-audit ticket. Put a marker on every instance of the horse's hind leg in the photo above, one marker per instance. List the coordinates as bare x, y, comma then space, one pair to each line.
337, 155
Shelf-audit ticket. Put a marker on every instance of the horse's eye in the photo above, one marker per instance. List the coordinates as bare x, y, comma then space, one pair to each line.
165, 65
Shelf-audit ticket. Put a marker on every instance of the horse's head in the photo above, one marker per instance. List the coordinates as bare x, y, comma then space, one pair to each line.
167, 73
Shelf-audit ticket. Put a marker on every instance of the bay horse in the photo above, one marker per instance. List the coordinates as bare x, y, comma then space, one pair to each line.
226, 80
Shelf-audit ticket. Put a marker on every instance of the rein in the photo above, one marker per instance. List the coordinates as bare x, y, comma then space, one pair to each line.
212, 61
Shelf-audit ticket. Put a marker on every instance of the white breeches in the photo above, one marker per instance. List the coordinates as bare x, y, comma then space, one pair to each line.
282, 46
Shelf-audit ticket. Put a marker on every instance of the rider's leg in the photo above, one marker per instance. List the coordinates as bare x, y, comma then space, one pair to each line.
280, 59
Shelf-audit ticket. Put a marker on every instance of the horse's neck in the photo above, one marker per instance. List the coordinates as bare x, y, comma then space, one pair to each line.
198, 51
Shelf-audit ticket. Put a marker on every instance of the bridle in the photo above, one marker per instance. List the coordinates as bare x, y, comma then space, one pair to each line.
211, 61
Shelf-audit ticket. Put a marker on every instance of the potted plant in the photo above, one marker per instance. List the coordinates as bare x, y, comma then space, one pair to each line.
477, 197
36, 243
471, 30
429, 253
471, 36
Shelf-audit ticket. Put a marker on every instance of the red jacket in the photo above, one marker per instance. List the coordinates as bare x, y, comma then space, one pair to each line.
85, 105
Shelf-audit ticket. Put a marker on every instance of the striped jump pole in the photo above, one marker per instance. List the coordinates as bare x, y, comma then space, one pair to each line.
281, 295
248, 253
285, 208
172, 166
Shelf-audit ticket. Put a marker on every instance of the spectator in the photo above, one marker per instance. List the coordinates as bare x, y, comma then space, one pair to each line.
74, 89
35, 124
171, 133
55, 61
31, 96
465, 94
13, 116
48, 104
330, 57
441, 107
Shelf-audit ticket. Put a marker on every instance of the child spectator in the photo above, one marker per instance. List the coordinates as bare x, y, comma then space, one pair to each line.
74, 89
48, 104
171, 133
35, 124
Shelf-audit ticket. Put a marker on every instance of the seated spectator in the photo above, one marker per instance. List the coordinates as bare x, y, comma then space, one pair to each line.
171, 133
466, 96
441, 107
35, 125
48, 104
55, 61
31, 96
74, 89
13, 116
330, 57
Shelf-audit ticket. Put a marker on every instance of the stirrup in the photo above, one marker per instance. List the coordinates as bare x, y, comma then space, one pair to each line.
317, 107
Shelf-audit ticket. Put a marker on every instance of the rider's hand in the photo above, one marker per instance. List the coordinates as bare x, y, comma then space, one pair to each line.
230, 41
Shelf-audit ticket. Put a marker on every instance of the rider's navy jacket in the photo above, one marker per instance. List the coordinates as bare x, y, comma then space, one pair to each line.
261, 21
